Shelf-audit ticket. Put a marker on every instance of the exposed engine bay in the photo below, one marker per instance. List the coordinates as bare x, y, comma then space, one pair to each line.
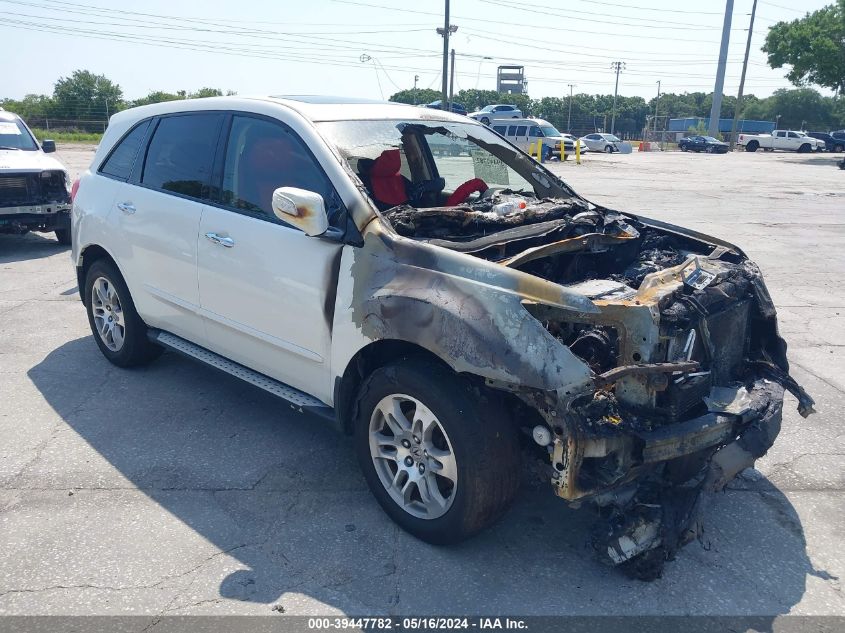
688, 366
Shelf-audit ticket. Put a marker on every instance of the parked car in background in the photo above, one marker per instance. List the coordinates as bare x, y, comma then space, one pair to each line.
457, 108
455, 315
786, 140
525, 132
496, 113
832, 144
34, 187
601, 142
708, 144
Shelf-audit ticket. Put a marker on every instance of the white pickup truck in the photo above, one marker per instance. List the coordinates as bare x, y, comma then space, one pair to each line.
780, 139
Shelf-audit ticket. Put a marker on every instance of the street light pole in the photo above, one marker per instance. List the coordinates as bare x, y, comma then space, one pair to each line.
416, 79
617, 66
716, 110
569, 117
738, 108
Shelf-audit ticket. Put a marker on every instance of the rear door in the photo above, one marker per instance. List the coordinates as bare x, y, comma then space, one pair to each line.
159, 212
266, 288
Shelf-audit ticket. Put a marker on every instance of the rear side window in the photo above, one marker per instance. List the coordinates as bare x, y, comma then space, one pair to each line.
520, 131
180, 154
512, 130
501, 129
122, 158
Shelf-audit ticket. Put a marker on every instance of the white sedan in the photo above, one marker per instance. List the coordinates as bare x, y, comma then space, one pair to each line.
599, 142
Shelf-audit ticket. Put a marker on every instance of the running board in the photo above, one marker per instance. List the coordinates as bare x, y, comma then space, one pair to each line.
297, 399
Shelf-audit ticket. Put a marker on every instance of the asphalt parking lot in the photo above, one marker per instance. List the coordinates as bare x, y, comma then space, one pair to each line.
173, 489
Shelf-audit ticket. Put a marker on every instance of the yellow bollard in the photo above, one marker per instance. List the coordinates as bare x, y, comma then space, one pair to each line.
531, 149
577, 151
539, 151
562, 151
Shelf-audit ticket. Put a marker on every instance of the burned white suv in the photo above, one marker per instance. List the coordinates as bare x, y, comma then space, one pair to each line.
459, 314
34, 187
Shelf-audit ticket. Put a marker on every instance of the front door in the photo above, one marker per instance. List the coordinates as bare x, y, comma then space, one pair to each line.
266, 288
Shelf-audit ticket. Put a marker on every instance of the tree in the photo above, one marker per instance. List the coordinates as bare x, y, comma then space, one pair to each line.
85, 95
419, 96
157, 96
206, 92
813, 46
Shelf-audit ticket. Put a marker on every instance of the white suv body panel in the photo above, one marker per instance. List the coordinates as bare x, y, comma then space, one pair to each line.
182, 283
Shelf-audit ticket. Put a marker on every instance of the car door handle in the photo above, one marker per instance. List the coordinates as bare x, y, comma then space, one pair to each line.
127, 207
228, 242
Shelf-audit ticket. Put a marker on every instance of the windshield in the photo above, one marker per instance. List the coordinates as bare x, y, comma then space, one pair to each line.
434, 158
611, 138
711, 139
550, 130
486, 109
14, 135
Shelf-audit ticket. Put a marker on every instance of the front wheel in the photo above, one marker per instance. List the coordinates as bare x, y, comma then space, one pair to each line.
63, 236
805, 148
838, 148
608, 149
440, 458
118, 330
710, 149
683, 148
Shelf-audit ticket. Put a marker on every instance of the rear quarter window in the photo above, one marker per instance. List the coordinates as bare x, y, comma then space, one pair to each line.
122, 158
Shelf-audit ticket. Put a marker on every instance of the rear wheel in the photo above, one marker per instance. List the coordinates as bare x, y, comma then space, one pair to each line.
683, 148
441, 459
752, 146
709, 149
118, 330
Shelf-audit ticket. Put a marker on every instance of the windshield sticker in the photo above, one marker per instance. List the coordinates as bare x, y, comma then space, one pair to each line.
489, 168
7, 127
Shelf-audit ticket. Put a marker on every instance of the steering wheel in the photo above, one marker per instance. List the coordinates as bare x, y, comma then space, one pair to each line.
465, 190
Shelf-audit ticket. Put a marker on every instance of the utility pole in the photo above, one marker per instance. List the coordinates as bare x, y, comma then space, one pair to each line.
716, 110
416, 79
445, 31
618, 67
452, 82
569, 117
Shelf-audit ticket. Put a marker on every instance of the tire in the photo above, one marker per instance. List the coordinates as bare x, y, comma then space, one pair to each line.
474, 440
710, 149
608, 149
752, 146
63, 236
839, 148
683, 148
805, 148
485, 120
107, 297
547, 153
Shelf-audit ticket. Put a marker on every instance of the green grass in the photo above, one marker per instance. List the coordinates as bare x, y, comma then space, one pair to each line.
75, 137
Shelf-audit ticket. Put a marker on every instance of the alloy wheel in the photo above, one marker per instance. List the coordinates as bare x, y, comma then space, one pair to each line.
413, 456
108, 314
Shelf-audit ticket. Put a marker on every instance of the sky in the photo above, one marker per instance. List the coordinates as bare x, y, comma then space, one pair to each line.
372, 48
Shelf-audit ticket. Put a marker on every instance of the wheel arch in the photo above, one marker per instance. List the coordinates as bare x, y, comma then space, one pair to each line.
365, 361
87, 256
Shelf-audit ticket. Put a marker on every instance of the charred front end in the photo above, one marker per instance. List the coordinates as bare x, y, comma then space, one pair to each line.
688, 369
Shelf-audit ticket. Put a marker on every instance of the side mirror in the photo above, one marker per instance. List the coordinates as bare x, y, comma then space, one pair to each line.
301, 208
48, 147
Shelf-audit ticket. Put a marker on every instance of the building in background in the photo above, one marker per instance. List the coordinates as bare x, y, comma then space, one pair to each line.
678, 128
511, 79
